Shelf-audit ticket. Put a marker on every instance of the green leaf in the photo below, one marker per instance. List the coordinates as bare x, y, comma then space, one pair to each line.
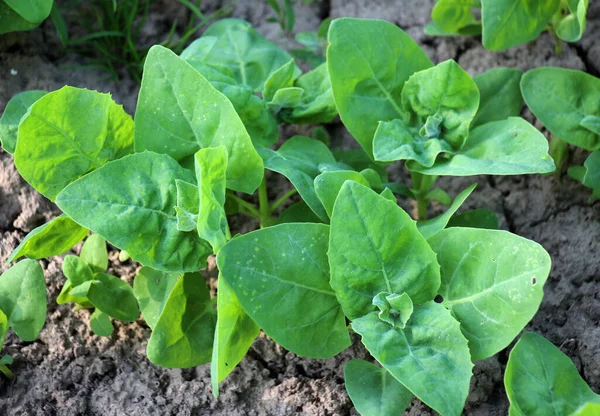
283, 77
328, 185
15, 109
151, 289
500, 95
138, 215
76, 270
443, 97
286, 98
394, 309
453, 15
430, 356
111, 295
298, 212
376, 247
100, 324
234, 335
592, 123
3, 328
34, 11
359, 160
68, 133
316, 104
477, 218
492, 282
541, 380
184, 333
211, 165
281, 277
374, 391
427, 228
188, 199
592, 174
298, 159
561, 99
373, 179
588, 409
51, 239
509, 147
507, 23
250, 57
199, 116
369, 61
23, 298
11, 21
571, 27
94, 253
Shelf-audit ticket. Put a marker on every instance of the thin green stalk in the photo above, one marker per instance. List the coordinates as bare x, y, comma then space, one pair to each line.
422, 184
264, 208
284, 198
560, 152
251, 209
7, 372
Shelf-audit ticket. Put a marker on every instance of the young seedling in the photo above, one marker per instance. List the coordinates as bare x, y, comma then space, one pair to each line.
502, 21
22, 305
541, 380
428, 115
567, 102
18, 15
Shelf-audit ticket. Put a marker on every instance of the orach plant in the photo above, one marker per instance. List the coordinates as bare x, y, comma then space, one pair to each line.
17, 15
567, 102
507, 23
427, 298
541, 380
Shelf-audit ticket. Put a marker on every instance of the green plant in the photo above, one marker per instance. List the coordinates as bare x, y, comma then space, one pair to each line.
17, 15
22, 305
399, 106
285, 14
426, 298
507, 23
541, 380
567, 102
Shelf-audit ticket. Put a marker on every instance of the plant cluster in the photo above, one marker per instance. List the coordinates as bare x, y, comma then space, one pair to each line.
507, 23
427, 297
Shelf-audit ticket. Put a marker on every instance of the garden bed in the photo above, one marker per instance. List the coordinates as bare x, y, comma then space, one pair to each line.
69, 370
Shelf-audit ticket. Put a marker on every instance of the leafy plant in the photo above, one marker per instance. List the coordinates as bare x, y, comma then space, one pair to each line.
427, 298
541, 380
567, 102
17, 15
22, 305
399, 106
507, 23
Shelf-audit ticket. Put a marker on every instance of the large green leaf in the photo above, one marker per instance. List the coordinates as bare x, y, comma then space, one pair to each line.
508, 147
234, 335
429, 356
111, 295
151, 289
238, 47
184, 333
34, 11
375, 247
23, 298
68, 133
179, 112
374, 391
492, 282
130, 202
429, 227
281, 277
369, 61
298, 159
211, 164
11, 21
561, 98
507, 23
542, 381
500, 95
14, 111
51, 239
571, 27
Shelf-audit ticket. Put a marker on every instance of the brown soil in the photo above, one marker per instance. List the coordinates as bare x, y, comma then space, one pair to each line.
70, 371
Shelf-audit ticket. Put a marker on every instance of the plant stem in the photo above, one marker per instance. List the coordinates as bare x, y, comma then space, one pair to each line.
559, 152
284, 198
6, 371
250, 208
263, 205
422, 184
